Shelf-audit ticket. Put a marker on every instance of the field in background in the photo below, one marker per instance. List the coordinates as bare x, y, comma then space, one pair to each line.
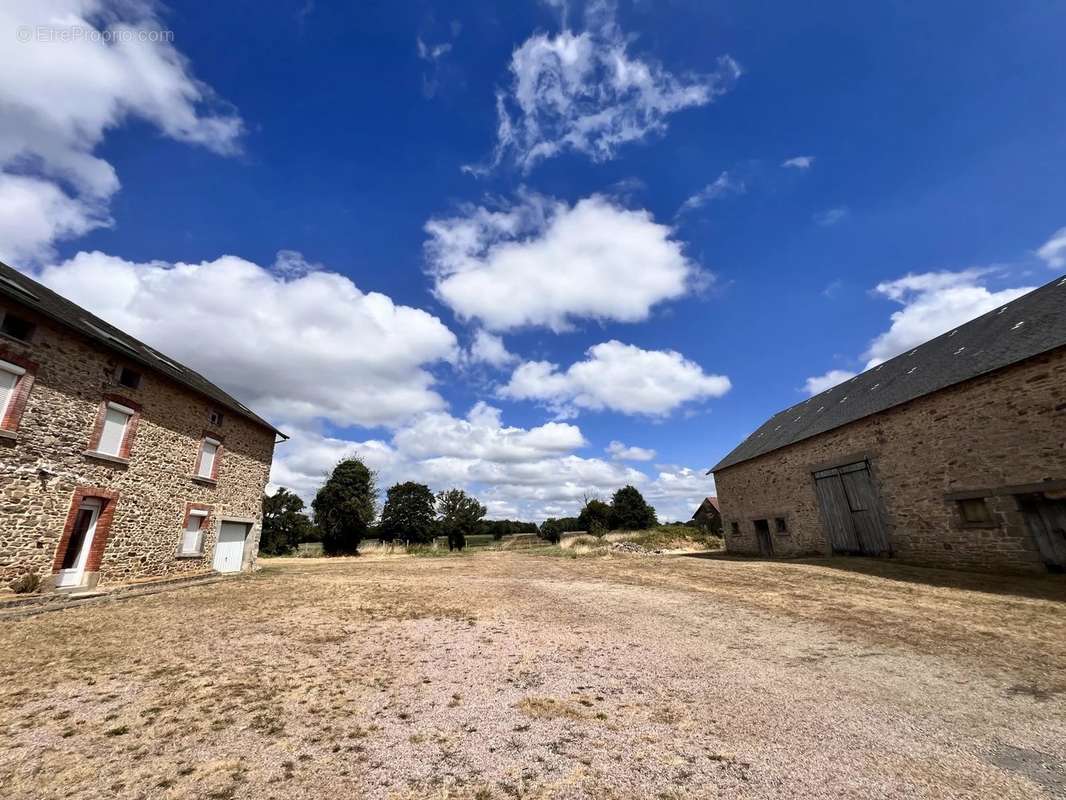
514, 675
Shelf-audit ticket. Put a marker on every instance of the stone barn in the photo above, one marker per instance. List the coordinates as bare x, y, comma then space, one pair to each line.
709, 516
117, 463
952, 454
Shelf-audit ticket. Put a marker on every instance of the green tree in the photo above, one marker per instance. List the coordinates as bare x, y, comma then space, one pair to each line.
459, 514
285, 524
550, 530
630, 512
408, 513
595, 517
344, 506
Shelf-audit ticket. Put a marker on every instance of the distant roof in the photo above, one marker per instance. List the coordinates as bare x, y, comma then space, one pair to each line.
30, 293
1033, 324
713, 501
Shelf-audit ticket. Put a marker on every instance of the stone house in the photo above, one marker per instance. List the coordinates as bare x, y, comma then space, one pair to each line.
709, 515
952, 454
116, 462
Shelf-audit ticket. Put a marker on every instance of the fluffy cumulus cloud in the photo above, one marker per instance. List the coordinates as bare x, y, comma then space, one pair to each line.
1053, 251
817, 384
623, 452
931, 303
294, 342
543, 262
586, 92
487, 348
530, 473
619, 377
798, 162
676, 492
63, 98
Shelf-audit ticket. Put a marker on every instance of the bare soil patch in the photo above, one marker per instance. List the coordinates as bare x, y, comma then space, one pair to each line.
520, 675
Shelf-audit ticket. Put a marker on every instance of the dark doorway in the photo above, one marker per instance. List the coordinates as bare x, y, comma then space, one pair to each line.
851, 510
1046, 520
762, 535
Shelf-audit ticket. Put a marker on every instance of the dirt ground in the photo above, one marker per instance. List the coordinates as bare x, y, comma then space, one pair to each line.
523, 675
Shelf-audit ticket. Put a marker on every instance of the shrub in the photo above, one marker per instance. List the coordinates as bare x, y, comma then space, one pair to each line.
595, 517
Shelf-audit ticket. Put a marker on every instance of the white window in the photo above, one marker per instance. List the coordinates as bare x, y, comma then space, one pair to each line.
192, 536
116, 419
9, 378
208, 454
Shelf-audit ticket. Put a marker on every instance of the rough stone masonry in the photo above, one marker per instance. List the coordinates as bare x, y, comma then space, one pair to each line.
147, 490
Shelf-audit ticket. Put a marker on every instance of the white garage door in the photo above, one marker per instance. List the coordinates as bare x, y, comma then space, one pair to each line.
229, 549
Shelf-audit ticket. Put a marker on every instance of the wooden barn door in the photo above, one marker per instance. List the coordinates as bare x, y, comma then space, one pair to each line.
1046, 520
850, 508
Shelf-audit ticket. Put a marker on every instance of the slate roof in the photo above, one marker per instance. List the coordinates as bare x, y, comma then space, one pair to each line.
1033, 324
28, 292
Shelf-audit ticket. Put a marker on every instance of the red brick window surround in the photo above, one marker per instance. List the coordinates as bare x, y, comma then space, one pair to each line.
209, 457
108, 500
16, 380
196, 522
115, 427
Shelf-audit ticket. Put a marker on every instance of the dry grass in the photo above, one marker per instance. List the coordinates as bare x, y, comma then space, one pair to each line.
514, 675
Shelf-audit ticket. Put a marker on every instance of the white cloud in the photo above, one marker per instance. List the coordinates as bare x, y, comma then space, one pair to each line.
585, 92
482, 436
64, 96
932, 303
542, 262
622, 452
676, 492
618, 377
1053, 251
295, 343
489, 349
819, 383
799, 162
35, 212
830, 217
722, 185
528, 473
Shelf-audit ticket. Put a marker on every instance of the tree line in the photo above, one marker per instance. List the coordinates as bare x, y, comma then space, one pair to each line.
345, 515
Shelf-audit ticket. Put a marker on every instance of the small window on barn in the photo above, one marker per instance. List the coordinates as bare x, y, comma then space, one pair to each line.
975, 511
130, 378
214, 416
780, 525
735, 528
15, 327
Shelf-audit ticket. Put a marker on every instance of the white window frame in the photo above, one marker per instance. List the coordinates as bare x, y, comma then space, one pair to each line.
198, 550
17, 372
129, 412
210, 474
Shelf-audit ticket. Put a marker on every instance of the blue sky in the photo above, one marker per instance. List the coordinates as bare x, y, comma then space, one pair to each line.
700, 213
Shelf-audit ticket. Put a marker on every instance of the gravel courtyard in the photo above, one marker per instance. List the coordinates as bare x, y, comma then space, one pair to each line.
519, 675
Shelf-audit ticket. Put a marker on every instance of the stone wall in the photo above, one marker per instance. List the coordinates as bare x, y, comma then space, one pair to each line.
43, 463
988, 436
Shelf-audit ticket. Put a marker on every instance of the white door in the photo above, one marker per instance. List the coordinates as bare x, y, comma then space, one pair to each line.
72, 570
229, 549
